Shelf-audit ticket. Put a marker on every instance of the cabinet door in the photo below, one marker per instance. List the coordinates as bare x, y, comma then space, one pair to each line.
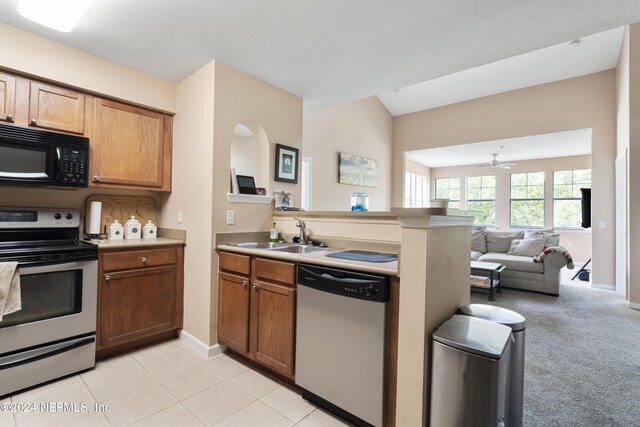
136, 304
273, 321
128, 145
7, 97
56, 108
233, 311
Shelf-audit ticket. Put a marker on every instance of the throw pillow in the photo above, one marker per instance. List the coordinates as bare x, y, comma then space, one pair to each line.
527, 247
553, 239
478, 242
500, 241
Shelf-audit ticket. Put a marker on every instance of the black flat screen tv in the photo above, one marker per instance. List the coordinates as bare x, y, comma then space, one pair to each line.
586, 207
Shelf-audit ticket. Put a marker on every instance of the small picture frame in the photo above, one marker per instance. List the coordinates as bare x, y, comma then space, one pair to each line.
283, 199
246, 184
286, 164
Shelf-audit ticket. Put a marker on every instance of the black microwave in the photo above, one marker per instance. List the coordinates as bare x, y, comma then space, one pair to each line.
36, 157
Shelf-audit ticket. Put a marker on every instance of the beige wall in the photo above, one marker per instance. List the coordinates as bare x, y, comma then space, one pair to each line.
210, 103
578, 103
240, 98
578, 242
362, 127
192, 188
631, 54
38, 56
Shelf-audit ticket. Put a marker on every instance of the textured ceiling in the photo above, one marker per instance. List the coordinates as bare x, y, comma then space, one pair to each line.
329, 51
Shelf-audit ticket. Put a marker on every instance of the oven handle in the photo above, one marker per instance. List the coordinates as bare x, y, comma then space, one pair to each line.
29, 356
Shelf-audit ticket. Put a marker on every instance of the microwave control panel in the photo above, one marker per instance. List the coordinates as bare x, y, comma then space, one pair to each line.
74, 166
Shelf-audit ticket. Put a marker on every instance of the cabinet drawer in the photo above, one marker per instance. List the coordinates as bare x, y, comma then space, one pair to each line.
126, 260
240, 264
277, 271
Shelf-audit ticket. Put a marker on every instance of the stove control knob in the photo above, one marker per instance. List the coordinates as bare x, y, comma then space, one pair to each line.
57, 216
69, 216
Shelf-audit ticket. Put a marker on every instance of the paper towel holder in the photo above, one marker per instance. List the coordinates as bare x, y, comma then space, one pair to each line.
95, 231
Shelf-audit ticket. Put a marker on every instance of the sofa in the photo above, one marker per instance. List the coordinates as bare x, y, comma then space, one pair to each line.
516, 251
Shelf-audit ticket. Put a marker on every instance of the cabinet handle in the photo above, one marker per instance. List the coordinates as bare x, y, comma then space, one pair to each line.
107, 277
96, 178
255, 285
10, 117
143, 259
245, 283
34, 122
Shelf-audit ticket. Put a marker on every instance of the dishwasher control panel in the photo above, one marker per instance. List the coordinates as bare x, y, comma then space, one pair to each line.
345, 282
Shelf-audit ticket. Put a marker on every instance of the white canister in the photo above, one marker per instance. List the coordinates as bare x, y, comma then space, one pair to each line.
116, 231
149, 230
132, 228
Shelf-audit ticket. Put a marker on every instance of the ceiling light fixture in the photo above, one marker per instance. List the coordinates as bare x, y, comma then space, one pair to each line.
61, 15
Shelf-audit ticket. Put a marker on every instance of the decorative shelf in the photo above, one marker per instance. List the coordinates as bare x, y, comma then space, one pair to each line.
249, 198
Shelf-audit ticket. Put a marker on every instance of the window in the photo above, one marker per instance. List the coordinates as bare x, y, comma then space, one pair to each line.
481, 197
567, 207
448, 188
527, 199
415, 190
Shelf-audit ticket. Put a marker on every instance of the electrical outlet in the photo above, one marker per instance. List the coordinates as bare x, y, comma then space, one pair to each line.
600, 224
569, 245
180, 216
231, 217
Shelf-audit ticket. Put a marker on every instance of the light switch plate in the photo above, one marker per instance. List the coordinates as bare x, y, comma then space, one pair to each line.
600, 224
231, 217
180, 216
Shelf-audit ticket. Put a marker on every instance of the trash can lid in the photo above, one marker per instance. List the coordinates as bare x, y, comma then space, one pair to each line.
497, 314
474, 335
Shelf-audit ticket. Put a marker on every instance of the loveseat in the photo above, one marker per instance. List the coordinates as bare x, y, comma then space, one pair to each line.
516, 250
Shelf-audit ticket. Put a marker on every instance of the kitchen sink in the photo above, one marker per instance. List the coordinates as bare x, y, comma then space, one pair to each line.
261, 245
299, 249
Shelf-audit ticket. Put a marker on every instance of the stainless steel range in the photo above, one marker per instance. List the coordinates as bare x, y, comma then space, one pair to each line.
53, 335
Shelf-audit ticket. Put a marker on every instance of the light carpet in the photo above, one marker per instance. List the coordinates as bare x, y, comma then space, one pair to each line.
582, 356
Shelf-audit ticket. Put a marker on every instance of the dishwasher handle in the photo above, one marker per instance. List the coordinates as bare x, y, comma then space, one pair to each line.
344, 282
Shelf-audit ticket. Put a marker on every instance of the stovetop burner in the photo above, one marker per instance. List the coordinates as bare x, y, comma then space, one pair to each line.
34, 236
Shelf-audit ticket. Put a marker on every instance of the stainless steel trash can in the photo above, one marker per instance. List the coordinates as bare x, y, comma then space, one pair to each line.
470, 362
515, 387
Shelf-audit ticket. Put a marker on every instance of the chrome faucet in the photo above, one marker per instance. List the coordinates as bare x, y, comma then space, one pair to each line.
303, 231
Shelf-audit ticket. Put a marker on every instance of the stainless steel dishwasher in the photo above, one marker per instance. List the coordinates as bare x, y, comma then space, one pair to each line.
341, 342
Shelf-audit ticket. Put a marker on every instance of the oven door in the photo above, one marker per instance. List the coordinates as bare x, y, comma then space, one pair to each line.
58, 302
28, 163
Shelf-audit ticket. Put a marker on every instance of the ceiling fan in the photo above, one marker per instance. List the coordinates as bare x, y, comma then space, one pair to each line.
496, 164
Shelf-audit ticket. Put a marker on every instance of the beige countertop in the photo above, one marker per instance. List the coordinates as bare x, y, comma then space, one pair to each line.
136, 243
318, 258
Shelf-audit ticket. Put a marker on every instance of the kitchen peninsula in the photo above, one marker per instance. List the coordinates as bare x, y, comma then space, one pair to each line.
430, 282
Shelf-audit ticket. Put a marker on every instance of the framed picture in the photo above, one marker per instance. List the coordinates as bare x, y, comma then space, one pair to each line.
286, 164
357, 170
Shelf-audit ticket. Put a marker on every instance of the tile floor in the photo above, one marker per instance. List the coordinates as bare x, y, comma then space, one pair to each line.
167, 385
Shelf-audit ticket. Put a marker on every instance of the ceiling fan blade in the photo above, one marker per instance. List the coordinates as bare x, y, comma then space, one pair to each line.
504, 166
484, 166
509, 164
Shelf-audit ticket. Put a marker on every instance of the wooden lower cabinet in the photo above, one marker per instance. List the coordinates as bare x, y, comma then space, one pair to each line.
256, 310
233, 311
140, 296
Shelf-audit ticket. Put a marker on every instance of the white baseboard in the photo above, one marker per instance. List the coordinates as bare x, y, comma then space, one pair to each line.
201, 349
634, 305
606, 287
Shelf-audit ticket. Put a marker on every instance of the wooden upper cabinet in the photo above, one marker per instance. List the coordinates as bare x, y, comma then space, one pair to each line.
131, 147
7, 97
56, 108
